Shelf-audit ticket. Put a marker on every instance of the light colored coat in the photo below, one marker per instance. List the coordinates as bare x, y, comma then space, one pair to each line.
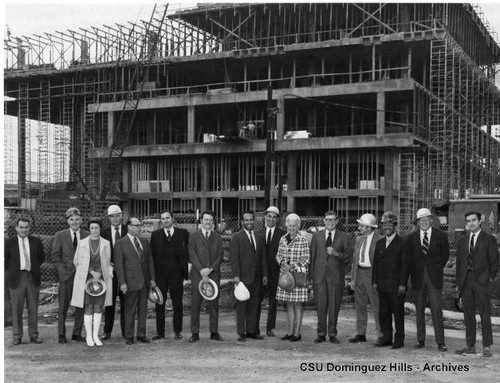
82, 261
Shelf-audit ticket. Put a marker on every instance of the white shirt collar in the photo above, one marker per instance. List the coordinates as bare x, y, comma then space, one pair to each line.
171, 230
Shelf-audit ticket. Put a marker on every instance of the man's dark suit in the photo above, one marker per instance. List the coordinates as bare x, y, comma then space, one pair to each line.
273, 274
170, 259
23, 286
427, 279
63, 254
328, 277
136, 272
109, 313
391, 267
204, 253
474, 284
249, 264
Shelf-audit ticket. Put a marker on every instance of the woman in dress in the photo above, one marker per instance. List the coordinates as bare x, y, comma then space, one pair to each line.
293, 255
92, 261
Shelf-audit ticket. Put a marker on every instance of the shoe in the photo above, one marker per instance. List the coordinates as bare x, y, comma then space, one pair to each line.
216, 336
255, 336
62, 339
420, 344
487, 352
334, 339
106, 336
270, 333
466, 350
194, 338
382, 343
78, 338
156, 337
143, 339
286, 337
395, 346
320, 339
242, 338
358, 338
16, 342
36, 340
294, 338
129, 341
178, 336
442, 347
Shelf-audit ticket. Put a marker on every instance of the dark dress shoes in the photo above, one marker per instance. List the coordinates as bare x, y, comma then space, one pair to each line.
294, 338
194, 338
178, 336
358, 338
442, 347
270, 333
334, 339
286, 337
16, 342
382, 343
395, 346
242, 338
320, 339
466, 351
106, 336
216, 336
78, 338
255, 336
129, 341
62, 339
36, 340
143, 339
156, 337
420, 344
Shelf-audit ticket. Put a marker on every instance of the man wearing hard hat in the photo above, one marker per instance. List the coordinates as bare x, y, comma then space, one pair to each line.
429, 252
361, 276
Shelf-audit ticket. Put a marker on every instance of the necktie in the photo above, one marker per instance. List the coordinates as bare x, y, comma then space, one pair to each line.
207, 234
269, 236
117, 235
363, 250
169, 236
425, 243
75, 240
251, 240
470, 263
26, 257
138, 247
329, 239
471, 246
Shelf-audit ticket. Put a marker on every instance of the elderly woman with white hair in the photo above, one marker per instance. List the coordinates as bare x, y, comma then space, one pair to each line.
293, 255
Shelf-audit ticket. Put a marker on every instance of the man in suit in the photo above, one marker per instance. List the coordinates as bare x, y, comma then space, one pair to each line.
136, 274
23, 255
361, 276
391, 267
429, 251
206, 254
272, 235
330, 249
477, 266
115, 232
249, 267
170, 257
63, 252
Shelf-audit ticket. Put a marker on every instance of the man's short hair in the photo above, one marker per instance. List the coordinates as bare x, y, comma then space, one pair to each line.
208, 212
22, 219
248, 212
129, 221
331, 212
477, 214
167, 211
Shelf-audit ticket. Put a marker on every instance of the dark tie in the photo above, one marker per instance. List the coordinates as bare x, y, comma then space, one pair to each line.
117, 235
363, 250
269, 236
207, 234
251, 240
138, 247
75, 241
425, 243
26, 257
470, 263
329, 239
169, 236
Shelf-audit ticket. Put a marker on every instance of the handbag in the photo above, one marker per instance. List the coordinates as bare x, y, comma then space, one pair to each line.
300, 279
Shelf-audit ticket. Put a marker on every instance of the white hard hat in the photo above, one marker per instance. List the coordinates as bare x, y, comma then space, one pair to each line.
114, 209
368, 220
273, 209
241, 292
422, 213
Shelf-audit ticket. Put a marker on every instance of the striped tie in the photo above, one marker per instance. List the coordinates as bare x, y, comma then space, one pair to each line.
425, 244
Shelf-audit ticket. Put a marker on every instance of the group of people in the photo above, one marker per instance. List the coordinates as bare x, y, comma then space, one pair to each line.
97, 266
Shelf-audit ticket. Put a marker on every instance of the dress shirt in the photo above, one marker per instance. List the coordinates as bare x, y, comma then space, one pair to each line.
204, 231
475, 237
171, 230
21, 251
269, 229
113, 233
429, 233
367, 262
388, 240
73, 235
251, 237
333, 234
132, 239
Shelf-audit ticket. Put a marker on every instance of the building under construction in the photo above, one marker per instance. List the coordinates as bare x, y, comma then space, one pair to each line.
352, 107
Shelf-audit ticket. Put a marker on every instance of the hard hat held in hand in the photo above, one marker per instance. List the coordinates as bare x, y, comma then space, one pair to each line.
95, 287
208, 289
155, 295
241, 292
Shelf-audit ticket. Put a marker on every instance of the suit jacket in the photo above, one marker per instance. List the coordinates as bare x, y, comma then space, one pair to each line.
12, 262
63, 253
484, 259
247, 262
271, 249
434, 262
355, 256
170, 258
106, 234
130, 269
205, 253
322, 263
391, 266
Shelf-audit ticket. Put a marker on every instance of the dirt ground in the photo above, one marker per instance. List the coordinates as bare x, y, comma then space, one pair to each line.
268, 360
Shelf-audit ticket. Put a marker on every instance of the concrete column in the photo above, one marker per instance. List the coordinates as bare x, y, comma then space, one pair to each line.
291, 181
280, 118
389, 156
380, 113
111, 128
127, 181
190, 124
204, 186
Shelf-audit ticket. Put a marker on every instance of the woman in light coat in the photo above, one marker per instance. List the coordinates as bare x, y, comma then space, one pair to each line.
92, 260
